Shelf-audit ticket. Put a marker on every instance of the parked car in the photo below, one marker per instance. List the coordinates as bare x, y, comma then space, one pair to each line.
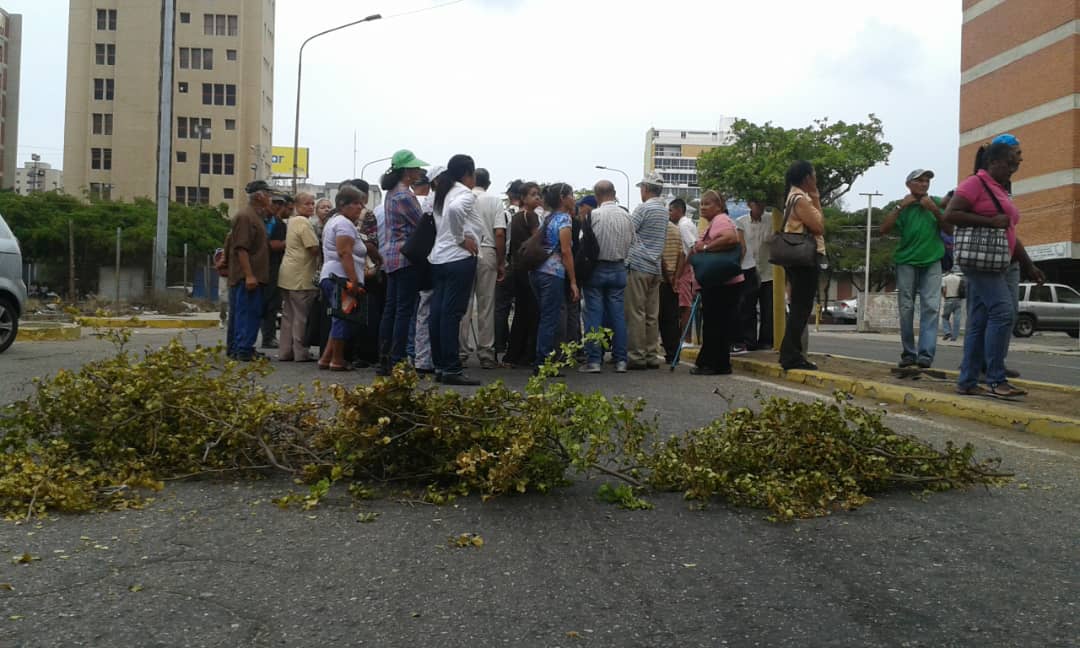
844, 310
1049, 307
12, 288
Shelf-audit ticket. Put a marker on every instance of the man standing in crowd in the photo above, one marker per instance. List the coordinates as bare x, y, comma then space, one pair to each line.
757, 287
650, 220
248, 260
670, 266
504, 287
604, 305
920, 220
490, 268
420, 331
952, 289
276, 229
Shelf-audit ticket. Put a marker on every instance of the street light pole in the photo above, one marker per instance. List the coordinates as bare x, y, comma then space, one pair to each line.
367, 164
607, 168
299, 71
864, 297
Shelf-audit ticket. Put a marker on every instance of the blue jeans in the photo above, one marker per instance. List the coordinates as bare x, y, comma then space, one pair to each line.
1012, 277
245, 319
550, 293
402, 287
924, 281
604, 307
452, 285
950, 317
990, 320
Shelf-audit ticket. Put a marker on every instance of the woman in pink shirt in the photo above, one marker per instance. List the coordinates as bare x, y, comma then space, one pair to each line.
718, 304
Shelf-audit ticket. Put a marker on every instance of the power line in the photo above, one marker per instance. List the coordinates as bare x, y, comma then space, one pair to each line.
422, 10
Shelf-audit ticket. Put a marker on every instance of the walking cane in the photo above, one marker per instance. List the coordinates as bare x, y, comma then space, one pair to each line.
686, 331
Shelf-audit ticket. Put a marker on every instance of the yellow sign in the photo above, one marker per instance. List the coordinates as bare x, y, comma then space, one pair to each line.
281, 162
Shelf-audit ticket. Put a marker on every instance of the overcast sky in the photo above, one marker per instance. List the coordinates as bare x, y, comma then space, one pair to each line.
547, 89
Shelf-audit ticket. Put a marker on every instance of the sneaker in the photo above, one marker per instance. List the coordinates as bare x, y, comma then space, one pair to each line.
620, 366
738, 349
270, 344
1005, 390
906, 361
591, 368
924, 363
801, 364
975, 390
459, 379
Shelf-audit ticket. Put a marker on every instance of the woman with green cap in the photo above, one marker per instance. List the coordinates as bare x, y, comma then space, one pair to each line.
401, 215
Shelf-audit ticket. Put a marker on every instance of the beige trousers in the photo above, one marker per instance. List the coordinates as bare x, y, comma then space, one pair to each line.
295, 305
642, 308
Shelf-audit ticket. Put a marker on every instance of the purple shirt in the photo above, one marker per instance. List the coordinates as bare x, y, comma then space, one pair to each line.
983, 205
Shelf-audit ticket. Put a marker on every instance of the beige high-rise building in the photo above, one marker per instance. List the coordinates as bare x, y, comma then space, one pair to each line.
10, 58
223, 71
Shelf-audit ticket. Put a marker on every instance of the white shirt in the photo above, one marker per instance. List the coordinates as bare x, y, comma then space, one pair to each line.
456, 220
688, 233
492, 215
337, 226
756, 234
951, 283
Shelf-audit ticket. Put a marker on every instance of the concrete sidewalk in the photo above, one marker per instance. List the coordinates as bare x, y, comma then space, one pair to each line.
1058, 343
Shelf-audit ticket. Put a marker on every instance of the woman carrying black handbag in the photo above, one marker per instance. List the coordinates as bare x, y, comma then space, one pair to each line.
803, 210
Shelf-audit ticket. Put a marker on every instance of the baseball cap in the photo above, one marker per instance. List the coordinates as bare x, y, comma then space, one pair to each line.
256, 185
652, 178
404, 159
435, 171
1007, 138
918, 173
587, 200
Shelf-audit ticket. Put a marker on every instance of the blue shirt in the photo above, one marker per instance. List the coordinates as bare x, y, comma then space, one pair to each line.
554, 265
650, 221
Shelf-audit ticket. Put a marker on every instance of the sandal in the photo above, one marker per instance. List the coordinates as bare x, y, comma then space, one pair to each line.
334, 367
323, 367
1005, 390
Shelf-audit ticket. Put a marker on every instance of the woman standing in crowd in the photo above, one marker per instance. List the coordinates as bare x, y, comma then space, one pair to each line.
549, 281
323, 207
401, 216
718, 303
521, 350
983, 201
453, 265
344, 255
804, 209
295, 279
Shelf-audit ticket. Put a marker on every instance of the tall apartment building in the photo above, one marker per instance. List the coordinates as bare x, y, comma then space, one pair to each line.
10, 59
1020, 74
223, 71
674, 153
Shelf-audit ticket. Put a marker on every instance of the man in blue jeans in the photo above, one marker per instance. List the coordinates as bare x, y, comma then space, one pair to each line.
604, 290
248, 261
920, 220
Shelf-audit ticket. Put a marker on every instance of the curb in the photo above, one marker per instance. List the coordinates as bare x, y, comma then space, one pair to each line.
53, 333
134, 322
951, 373
974, 409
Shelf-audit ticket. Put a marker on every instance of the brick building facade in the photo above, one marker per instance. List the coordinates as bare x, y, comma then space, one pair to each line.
1020, 74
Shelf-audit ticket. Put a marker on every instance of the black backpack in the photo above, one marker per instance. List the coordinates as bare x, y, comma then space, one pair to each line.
588, 252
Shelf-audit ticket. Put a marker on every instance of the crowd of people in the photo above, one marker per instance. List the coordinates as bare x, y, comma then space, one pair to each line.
444, 270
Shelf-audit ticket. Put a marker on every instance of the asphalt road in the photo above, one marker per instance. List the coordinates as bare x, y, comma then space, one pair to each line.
215, 564
1061, 368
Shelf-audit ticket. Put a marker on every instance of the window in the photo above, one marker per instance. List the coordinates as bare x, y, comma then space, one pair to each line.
230, 55
189, 127
196, 58
218, 94
216, 167
105, 54
181, 156
1067, 295
185, 58
181, 127
208, 59
230, 164
204, 163
1041, 294
103, 89
102, 124
181, 195
185, 17
220, 25
230, 124
100, 190
190, 195
101, 158
106, 19
227, 194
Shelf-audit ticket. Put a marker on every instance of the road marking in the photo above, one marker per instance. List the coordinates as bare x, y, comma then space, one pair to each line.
922, 421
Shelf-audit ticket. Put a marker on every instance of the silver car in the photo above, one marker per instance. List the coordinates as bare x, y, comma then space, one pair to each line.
12, 288
1049, 307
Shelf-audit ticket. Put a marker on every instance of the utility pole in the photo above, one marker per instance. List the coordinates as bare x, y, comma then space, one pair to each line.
864, 296
161, 241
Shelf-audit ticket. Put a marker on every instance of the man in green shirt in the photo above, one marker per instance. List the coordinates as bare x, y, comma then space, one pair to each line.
920, 220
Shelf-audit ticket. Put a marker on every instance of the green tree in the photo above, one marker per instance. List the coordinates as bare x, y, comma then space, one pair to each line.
753, 166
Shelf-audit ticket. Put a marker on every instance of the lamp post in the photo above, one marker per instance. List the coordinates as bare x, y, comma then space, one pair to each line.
299, 71
367, 164
607, 168
198, 190
864, 300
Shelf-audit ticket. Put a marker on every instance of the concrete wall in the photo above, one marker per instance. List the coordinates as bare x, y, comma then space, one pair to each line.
132, 283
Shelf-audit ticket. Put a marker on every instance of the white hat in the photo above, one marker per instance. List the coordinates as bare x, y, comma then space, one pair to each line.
435, 171
652, 178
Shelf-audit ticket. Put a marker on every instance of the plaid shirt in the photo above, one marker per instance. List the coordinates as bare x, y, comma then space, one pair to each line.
402, 215
650, 220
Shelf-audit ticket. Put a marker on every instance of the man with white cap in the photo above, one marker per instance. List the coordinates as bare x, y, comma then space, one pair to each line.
920, 220
650, 220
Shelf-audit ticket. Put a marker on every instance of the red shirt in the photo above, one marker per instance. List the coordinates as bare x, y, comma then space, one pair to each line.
983, 205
